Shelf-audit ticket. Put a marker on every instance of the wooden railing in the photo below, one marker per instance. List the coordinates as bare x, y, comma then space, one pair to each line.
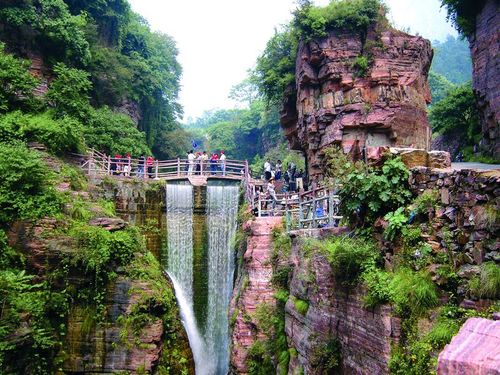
96, 163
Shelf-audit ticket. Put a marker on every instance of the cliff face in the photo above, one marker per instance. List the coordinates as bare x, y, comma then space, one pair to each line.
485, 49
365, 336
253, 288
339, 100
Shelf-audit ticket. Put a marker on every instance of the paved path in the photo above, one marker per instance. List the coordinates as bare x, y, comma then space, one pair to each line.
472, 165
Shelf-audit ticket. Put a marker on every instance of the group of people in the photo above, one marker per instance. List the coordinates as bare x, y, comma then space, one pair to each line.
197, 163
122, 165
294, 180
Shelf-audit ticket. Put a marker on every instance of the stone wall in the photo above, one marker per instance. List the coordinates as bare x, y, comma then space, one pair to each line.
334, 312
467, 222
141, 203
335, 103
485, 49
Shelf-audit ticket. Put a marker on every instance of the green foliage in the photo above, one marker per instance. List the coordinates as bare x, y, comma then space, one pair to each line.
462, 14
440, 86
24, 187
259, 362
113, 132
354, 15
338, 165
373, 192
48, 23
425, 202
59, 135
413, 293
349, 257
451, 61
16, 83
68, 92
327, 357
487, 283
300, 305
397, 221
360, 64
275, 69
457, 115
377, 283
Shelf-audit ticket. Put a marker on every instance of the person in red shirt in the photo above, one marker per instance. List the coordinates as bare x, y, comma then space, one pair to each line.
149, 164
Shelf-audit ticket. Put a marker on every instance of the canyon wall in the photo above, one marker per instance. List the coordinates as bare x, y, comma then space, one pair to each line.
334, 312
338, 101
485, 49
252, 289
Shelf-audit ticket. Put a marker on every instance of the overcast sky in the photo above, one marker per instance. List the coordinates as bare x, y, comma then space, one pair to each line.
219, 40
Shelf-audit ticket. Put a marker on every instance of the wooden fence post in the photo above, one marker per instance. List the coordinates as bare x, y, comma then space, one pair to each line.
156, 169
178, 167
108, 167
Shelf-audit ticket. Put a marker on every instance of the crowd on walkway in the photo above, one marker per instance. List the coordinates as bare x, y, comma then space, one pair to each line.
200, 162
123, 165
287, 179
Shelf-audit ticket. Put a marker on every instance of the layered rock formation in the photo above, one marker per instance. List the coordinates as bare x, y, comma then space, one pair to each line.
254, 288
337, 101
474, 350
365, 336
485, 49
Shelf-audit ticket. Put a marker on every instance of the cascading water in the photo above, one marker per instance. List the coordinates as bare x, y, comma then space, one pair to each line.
210, 349
222, 209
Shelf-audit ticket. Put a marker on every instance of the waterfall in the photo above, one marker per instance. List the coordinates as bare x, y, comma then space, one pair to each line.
210, 349
222, 208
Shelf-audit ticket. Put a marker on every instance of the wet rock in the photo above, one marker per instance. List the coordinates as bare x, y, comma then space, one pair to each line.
468, 271
108, 223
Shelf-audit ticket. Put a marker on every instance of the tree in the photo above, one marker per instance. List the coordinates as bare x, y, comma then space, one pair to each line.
457, 115
16, 83
440, 86
462, 14
452, 60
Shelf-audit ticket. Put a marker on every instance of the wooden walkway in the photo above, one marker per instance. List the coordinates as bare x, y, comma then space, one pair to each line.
315, 208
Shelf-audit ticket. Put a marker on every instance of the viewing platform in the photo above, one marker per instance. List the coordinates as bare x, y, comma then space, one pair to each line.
196, 171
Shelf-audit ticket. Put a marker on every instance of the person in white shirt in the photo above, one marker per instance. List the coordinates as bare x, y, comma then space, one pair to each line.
191, 158
267, 170
223, 162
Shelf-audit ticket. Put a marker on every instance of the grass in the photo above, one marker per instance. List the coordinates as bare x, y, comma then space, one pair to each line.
487, 283
300, 305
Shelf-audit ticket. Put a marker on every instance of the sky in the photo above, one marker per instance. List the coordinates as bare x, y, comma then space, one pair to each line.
219, 40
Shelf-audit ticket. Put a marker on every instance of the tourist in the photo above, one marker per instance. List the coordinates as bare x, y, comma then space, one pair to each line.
149, 165
204, 160
223, 162
118, 159
191, 158
140, 166
267, 170
299, 180
198, 163
213, 163
272, 192
126, 166
278, 170
113, 166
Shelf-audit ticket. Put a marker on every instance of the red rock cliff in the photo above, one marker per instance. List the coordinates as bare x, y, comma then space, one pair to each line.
337, 103
485, 49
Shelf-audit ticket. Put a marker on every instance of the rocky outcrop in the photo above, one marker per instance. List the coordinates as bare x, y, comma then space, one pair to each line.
365, 336
485, 49
474, 350
253, 289
336, 101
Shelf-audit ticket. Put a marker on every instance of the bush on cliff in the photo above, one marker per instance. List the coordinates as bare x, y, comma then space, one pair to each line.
25, 190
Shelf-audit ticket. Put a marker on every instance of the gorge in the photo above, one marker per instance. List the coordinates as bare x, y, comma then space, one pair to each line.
119, 256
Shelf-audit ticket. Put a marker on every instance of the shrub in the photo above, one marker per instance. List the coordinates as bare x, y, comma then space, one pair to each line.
338, 165
487, 284
349, 257
60, 136
25, 191
372, 193
377, 284
413, 293
327, 357
397, 221
360, 65
258, 361
426, 201
16, 83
